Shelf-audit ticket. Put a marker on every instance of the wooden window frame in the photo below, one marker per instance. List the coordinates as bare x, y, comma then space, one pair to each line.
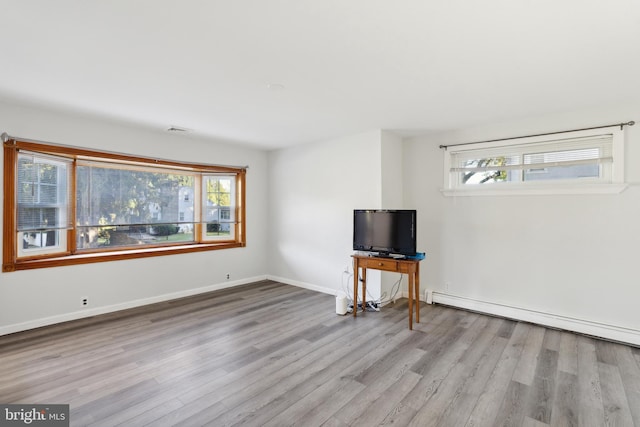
11, 261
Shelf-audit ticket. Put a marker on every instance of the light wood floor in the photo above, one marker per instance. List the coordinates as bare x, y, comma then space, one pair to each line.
269, 354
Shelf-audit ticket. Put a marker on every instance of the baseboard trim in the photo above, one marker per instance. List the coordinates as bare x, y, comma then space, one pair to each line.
81, 314
596, 329
305, 285
611, 332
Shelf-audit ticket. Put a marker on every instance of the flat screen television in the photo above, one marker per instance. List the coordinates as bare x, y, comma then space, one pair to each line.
385, 232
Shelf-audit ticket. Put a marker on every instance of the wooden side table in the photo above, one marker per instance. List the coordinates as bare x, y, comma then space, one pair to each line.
410, 267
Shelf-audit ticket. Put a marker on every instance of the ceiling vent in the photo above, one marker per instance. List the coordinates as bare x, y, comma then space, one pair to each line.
177, 129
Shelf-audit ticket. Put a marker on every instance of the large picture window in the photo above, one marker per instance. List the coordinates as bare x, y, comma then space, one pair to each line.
66, 205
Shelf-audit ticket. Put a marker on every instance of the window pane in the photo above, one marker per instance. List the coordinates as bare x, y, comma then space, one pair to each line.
48, 193
559, 171
34, 218
131, 236
132, 207
27, 190
562, 172
487, 170
40, 239
43, 209
219, 207
562, 156
42, 193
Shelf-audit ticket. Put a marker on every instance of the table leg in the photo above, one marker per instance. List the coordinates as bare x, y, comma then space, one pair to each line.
410, 301
417, 292
364, 289
355, 287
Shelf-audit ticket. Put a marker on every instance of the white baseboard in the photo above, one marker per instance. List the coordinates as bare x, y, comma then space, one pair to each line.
32, 324
611, 332
405, 294
305, 285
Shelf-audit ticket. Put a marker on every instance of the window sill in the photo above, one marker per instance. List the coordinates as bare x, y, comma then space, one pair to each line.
88, 258
536, 190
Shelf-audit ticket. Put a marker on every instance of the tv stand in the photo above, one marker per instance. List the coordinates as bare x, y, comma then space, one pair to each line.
410, 267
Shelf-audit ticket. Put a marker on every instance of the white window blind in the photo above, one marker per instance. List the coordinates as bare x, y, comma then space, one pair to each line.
43, 210
43, 192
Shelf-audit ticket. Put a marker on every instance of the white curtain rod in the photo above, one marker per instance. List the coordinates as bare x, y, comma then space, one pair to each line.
622, 125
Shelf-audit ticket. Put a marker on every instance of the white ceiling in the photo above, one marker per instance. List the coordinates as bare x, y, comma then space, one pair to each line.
347, 66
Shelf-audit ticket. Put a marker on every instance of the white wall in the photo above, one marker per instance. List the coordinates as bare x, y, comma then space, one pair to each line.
568, 261
392, 197
391, 171
313, 190
37, 297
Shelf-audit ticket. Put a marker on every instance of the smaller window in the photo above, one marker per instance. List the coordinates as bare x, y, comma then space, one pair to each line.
217, 191
43, 209
580, 159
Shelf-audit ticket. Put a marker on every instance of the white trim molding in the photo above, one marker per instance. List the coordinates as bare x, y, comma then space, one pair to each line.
37, 323
587, 327
536, 190
304, 285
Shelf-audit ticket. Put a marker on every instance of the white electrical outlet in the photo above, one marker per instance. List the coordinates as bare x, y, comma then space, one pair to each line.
84, 301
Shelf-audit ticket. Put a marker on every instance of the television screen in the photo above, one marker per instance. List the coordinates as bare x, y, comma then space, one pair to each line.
385, 231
